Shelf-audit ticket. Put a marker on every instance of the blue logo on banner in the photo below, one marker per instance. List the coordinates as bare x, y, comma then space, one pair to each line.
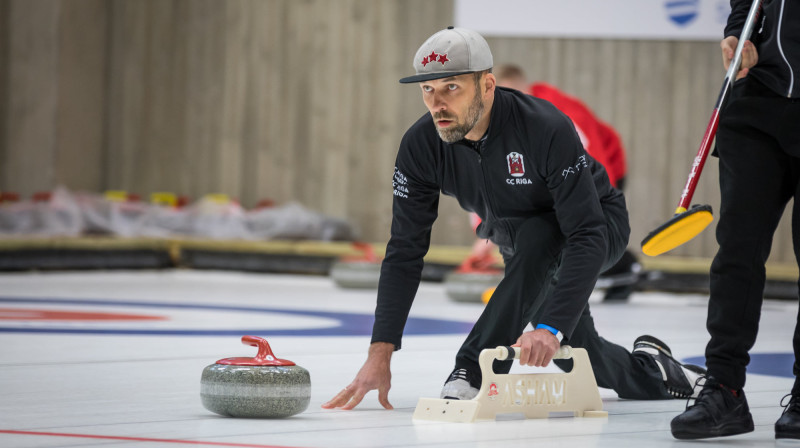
682, 11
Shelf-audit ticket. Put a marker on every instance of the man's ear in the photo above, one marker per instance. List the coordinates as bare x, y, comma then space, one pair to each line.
489, 83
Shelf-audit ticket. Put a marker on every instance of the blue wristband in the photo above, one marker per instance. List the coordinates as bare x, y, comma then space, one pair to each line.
555, 332
548, 328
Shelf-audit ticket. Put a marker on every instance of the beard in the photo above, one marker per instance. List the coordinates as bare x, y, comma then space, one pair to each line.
459, 129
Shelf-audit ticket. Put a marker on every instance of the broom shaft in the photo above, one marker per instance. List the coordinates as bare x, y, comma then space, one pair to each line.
711, 129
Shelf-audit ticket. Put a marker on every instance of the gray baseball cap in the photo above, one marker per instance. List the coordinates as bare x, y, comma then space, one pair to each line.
450, 52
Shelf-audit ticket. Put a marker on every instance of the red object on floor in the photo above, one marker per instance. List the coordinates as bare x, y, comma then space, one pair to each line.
138, 439
367, 253
42, 196
9, 196
39, 315
477, 264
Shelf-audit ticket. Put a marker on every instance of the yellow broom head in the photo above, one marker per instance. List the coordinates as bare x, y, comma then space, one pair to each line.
684, 225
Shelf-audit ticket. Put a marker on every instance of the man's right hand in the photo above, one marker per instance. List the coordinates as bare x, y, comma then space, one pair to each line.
749, 55
375, 374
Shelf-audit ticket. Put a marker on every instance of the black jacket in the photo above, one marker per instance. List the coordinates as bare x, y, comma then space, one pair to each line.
777, 38
530, 162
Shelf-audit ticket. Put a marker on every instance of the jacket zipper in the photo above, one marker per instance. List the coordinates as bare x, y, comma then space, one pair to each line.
783, 55
479, 148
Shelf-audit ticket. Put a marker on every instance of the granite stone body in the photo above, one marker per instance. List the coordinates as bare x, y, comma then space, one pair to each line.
255, 391
469, 287
356, 274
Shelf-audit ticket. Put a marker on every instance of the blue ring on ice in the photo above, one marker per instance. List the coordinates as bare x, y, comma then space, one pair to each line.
350, 324
772, 364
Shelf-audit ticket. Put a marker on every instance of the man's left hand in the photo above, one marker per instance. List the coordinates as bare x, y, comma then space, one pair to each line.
537, 347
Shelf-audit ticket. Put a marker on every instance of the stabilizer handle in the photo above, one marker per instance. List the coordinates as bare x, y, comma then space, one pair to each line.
507, 353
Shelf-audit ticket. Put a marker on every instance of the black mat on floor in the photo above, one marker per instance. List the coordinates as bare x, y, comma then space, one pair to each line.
700, 284
53, 259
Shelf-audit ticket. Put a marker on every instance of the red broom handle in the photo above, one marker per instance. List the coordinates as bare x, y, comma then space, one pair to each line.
711, 129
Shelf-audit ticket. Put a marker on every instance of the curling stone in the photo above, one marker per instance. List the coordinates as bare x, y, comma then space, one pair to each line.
260, 387
470, 287
469, 281
360, 272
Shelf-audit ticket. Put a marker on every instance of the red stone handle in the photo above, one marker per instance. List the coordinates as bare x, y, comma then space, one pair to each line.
264, 357
264, 350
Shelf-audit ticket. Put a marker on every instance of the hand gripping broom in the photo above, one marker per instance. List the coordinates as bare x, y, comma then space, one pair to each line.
687, 222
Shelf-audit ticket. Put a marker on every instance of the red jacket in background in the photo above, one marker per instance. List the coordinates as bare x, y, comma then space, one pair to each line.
599, 139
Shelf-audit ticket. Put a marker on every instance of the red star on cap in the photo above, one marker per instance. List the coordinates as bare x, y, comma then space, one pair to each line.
443, 58
432, 57
425, 61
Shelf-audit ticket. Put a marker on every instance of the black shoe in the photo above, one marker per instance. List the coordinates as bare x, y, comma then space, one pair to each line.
788, 426
716, 412
618, 293
461, 385
621, 279
681, 380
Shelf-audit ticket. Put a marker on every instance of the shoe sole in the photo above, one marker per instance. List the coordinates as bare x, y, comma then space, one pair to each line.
675, 392
787, 434
682, 394
653, 342
696, 369
730, 429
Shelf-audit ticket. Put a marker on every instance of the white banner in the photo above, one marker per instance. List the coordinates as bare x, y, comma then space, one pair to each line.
605, 19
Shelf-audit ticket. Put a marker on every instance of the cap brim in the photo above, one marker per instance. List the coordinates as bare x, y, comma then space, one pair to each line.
431, 76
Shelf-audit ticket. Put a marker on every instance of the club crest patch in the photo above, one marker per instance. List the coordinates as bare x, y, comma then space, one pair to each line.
516, 164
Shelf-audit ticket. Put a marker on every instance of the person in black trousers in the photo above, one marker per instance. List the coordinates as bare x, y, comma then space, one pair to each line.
518, 163
603, 143
758, 145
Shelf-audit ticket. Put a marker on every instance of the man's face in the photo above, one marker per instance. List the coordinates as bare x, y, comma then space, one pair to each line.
455, 103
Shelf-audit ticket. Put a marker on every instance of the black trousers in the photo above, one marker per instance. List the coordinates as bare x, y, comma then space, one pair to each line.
758, 144
530, 276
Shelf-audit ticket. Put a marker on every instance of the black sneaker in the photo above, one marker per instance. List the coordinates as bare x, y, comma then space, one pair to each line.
461, 385
788, 426
681, 380
618, 294
716, 412
621, 279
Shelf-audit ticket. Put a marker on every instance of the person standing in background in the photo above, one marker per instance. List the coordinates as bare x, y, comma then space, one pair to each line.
758, 145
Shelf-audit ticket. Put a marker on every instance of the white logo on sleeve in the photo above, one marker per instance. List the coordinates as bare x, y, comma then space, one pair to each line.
576, 168
400, 184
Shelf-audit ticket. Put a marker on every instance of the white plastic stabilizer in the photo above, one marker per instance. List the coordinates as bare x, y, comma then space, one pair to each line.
535, 395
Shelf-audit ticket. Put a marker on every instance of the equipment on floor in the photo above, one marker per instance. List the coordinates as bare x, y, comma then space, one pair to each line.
358, 272
472, 279
260, 387
486, 296
535, 395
